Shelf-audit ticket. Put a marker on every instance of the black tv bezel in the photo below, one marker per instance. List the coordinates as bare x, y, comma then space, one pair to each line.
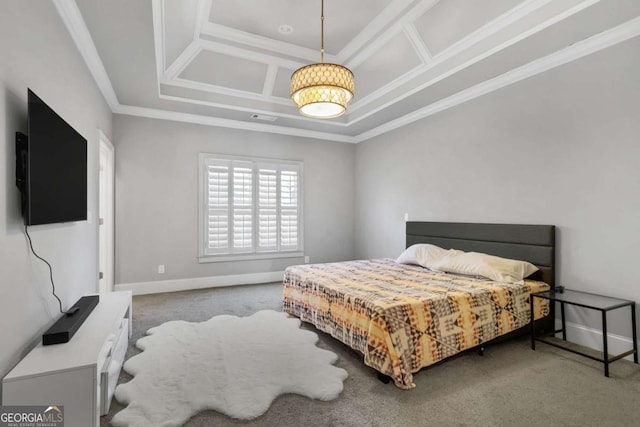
23, 146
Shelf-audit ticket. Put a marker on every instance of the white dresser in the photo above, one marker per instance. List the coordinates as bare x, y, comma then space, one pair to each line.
80, 375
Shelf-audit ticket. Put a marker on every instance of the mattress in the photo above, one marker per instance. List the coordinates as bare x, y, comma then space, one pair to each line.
403, 317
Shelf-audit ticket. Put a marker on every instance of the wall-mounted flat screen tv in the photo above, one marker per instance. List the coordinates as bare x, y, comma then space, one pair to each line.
51, 167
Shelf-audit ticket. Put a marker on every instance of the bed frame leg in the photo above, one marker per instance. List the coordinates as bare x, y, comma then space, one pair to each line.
385, 379
481, 351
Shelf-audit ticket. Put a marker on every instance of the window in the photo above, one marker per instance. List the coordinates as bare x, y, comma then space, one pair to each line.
250, 208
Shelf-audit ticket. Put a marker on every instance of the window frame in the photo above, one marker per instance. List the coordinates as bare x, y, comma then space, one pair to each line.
256, 253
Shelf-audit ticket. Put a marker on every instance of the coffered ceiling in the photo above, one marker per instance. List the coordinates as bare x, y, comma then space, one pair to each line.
229, 62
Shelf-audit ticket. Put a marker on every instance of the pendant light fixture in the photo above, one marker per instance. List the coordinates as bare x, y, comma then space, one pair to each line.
322, 90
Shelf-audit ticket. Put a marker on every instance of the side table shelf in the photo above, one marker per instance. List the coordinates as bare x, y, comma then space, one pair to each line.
594, 302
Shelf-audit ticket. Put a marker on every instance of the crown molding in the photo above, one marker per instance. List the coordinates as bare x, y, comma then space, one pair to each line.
153, 113
72, 18
593, 44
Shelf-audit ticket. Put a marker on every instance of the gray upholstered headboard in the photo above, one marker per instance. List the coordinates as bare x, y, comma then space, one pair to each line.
532, 243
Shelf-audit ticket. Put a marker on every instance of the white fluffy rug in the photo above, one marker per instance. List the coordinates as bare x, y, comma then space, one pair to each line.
234, 365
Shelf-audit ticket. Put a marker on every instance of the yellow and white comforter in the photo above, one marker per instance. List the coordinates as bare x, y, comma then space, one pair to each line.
404, 317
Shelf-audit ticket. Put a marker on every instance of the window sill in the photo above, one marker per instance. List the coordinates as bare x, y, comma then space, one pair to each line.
203, 259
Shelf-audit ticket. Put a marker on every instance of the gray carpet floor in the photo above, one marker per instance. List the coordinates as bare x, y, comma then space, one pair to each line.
511, 385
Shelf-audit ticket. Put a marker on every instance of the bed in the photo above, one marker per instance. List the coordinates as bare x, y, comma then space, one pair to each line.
405, 317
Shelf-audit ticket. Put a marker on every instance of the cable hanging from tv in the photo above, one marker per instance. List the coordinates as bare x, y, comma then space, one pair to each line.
53, 286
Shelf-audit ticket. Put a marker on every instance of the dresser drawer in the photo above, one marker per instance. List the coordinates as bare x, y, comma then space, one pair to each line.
113, 364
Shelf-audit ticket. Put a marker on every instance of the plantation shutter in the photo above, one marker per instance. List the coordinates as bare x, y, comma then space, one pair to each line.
250, 208
242, 206
217, 220
289, 207
267, 207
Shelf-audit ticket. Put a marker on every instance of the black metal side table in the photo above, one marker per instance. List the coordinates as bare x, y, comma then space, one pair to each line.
592, 301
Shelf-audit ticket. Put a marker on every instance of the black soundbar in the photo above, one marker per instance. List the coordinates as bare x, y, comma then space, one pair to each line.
68, 325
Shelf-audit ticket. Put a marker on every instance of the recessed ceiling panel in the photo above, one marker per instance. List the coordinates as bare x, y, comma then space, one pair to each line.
226, 71
451, 20
180, 21
282, 86
392, 60
343, 19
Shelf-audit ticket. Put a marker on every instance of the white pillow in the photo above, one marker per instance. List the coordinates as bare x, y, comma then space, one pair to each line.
489, 266
422, 254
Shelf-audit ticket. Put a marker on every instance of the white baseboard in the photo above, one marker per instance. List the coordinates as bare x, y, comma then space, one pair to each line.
592, 338
160, 286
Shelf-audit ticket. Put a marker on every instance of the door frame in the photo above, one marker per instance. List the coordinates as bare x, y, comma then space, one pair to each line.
106, 151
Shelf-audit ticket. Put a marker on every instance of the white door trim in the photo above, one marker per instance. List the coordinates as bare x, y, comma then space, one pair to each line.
106, 263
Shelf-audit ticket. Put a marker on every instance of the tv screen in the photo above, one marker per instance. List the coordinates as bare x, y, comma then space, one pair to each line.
56, 169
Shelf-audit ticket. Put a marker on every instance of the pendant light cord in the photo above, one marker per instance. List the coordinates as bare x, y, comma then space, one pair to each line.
53, 286
322, 32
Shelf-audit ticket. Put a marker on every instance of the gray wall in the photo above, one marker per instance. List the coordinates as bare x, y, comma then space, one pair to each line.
36, 51
560, 148
157, 196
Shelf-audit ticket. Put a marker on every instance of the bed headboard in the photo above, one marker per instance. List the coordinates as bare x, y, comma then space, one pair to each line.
532, 243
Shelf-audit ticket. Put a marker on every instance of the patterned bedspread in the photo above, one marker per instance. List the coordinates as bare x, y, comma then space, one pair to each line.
402, 317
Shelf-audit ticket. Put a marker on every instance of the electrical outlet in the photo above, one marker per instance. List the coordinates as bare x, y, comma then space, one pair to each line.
406, 217
161, 269
306, 260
